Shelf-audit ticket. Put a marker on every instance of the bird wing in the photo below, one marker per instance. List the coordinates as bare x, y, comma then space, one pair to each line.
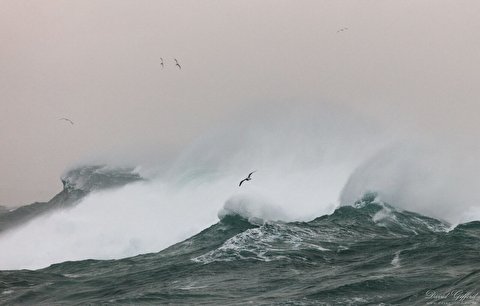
241, 182
66, 119
177, 64
250, 174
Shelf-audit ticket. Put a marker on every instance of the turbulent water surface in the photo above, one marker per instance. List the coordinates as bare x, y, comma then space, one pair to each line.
369, 253
328, 219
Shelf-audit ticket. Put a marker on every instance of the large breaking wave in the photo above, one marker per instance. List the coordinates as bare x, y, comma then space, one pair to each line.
306, 166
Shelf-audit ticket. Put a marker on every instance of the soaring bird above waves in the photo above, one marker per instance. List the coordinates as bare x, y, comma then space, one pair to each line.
177, 64
342, 29
161, 63
248, 178
66, 119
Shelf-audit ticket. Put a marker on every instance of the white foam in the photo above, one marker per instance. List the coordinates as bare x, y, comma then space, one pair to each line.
139, 218
269, 242
302, 163
150, 216
252, 207
426, 177
396, 260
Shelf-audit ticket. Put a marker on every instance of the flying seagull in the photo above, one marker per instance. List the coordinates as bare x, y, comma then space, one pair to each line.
247, 178
342, 29
177, 64
162, 62
66, 119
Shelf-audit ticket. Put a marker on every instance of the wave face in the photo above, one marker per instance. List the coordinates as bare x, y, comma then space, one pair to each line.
77, 183
302, 164
296, 233
370, 253
436, 180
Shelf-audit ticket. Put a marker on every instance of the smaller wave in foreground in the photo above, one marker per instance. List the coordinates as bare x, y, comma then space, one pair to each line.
370, 253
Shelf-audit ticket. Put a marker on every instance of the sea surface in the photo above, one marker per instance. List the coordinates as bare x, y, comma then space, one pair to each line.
368, 253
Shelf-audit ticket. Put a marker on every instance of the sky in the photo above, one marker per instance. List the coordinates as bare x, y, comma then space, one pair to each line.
410, 64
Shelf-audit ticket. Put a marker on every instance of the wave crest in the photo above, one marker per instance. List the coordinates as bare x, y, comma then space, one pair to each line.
254, 208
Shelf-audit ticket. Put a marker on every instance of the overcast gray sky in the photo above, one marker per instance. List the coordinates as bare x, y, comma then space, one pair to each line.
98, 62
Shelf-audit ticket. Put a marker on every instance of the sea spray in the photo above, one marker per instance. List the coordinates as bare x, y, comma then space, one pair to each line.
343, 258
427, 177
302, 164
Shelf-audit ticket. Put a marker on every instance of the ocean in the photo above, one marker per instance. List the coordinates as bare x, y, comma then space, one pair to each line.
337, 212
367, 253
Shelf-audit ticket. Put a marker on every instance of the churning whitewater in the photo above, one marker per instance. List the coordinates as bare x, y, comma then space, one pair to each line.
337, 212
301, 172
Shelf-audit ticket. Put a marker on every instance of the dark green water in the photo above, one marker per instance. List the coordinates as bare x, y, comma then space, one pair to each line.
365, 255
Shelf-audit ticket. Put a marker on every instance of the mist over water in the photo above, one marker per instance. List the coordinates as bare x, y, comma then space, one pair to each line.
433, 178
307, 163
